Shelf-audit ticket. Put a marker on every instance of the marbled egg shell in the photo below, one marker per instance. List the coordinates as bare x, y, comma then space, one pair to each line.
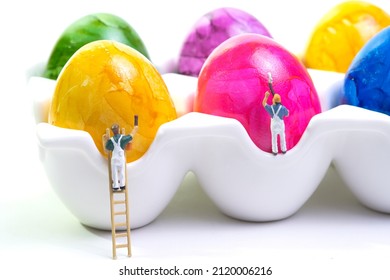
107, 82
234, 79
367, 82
341, 33
89, 28
211, 30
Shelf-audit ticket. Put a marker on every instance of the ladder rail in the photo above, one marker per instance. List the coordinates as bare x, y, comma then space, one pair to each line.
127, 219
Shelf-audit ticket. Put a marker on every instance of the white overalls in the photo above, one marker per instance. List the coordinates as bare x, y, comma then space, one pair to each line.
118, 163
277, 128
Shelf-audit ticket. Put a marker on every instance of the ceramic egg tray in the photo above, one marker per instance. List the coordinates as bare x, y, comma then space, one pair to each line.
243, 181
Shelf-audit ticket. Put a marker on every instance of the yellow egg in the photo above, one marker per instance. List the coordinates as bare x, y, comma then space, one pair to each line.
341, 33
106, 82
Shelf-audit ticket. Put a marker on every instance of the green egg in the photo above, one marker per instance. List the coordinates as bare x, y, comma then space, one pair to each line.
100, 26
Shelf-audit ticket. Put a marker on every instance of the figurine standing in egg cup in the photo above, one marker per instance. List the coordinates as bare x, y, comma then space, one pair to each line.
117, 144
277, 113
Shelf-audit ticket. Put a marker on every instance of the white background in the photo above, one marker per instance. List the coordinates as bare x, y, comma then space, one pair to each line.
331, 236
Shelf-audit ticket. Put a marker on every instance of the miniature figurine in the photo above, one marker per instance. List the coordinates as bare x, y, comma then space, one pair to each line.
277, 112
117, 145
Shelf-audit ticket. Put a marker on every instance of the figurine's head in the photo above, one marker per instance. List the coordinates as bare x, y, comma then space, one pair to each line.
115, 128
276, 99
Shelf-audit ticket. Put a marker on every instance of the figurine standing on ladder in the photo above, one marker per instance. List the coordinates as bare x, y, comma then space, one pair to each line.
119, 201
277, 112
117, 144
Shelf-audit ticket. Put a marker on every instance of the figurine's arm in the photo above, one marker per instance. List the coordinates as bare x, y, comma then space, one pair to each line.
265, 98
129, 137
134, 131
109, 145
126, 139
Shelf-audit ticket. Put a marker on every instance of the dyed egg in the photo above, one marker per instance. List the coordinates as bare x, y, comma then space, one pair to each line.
367, 82
341, 33
101, 26
107, 82
234, 79
211, 30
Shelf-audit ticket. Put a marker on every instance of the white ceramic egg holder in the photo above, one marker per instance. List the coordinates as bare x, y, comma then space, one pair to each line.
243, 181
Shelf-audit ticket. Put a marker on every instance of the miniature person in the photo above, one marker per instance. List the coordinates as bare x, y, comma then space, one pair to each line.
117, 145
277, 112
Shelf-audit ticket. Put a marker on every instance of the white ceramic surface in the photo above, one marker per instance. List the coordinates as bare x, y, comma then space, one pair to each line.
243, 181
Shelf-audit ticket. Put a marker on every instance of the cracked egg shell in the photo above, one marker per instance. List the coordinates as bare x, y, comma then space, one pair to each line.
107, 82
234, 79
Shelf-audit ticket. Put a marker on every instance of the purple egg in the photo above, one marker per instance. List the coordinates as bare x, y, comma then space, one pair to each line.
210, 31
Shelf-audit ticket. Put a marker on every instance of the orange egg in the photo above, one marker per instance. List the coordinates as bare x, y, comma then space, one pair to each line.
106, 82
341, 33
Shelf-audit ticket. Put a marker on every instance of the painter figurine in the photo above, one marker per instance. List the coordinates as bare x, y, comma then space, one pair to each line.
117, 145
277, 112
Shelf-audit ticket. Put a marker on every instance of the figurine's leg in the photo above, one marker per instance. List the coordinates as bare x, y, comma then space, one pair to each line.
114, 174
283, 141
121, 173
274, 136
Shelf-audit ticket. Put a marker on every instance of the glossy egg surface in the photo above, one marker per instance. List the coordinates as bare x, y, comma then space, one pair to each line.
341, 33
234, 80
367, 82
107, 82
211, 30
93, 27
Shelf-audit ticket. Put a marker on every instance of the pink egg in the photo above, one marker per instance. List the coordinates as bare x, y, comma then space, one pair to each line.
234, 79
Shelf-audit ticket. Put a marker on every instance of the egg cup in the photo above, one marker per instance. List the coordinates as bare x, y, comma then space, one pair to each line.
243, 181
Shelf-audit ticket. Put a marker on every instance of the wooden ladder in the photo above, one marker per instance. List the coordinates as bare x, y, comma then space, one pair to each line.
119, 207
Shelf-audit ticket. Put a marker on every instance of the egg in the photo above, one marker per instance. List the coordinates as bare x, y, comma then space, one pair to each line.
234, 79
341, 33
107, 82
211, 30
93, 27
367, 81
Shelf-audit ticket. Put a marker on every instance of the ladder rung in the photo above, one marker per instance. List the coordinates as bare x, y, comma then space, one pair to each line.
120, 225
123, 234
119, 201
121, 246
118, 191
120, 213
